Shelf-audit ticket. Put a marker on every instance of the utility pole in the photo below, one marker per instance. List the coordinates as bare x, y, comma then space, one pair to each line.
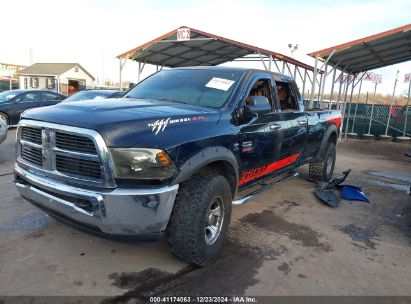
31, 56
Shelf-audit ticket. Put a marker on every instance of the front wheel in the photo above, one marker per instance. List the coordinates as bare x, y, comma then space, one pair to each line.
321, 170
200, 220
4, 118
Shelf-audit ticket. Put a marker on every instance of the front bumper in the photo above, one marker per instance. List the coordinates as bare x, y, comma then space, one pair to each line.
124, 212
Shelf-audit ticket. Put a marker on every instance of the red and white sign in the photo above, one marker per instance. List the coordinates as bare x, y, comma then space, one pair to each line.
407, 77
343, 78
376, 78
183, 34
368, 76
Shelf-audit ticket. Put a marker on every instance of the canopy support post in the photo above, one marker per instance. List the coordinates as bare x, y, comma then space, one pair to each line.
356, 105
313, 82
276, 65
347, 81
140, 70
262, 60
406, 109
332, 89
349, 107
305, 78
122, 63
322, 86
392, 104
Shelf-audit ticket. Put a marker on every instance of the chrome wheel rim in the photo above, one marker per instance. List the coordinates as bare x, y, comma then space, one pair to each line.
3, 119
214, 219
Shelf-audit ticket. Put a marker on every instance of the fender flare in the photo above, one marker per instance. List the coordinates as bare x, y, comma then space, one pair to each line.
330, 130
203, 158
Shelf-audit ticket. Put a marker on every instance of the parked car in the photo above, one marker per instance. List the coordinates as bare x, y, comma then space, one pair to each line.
94, 94
3, 130
173, 155
15, 102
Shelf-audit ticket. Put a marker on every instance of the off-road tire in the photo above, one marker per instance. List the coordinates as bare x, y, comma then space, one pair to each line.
4, 118
186, 229
318, 169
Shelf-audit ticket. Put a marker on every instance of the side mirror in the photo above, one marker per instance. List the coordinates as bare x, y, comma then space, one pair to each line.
259, 105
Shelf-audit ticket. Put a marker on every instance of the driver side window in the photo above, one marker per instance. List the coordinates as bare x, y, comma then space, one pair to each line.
32, 96
260, 87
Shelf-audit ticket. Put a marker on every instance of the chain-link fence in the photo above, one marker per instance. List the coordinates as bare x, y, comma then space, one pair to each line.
360, 116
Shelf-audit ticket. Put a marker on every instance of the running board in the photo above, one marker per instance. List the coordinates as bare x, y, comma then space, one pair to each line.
253, 194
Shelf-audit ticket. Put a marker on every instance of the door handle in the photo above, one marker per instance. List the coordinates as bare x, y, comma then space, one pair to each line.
274, 126
302, 122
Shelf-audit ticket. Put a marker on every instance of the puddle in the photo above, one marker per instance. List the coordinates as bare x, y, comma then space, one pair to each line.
361, 234
269, 221
402, 176
35, 221
399, 187
237, 264
399, 217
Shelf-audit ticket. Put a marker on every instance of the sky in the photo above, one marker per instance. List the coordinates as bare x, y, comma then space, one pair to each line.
93, 32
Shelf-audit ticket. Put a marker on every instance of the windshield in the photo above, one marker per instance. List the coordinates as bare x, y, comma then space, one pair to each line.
7, 95
84, 95
208, 88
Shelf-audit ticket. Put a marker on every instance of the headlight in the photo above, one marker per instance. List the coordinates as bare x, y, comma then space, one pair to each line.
142, 163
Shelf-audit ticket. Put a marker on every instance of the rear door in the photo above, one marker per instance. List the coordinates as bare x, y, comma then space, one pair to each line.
271, 143
292, 120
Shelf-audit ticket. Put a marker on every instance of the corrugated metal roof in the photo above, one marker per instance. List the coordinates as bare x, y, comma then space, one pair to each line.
372, 52
202, 49
50, 69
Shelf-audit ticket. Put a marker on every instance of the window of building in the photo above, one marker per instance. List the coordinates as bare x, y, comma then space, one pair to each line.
34, 82
51, 83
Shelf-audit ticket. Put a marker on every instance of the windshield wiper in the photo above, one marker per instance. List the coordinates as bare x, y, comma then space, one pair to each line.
172, 100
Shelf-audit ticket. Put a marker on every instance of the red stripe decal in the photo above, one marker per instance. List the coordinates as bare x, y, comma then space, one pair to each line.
335, 120
252, 174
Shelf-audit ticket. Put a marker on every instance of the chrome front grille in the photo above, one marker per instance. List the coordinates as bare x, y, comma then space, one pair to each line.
71, 154
31, 154
31, 134
75, 143
76, 166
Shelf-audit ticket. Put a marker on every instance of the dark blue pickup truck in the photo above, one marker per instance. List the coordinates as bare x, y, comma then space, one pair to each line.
173, 155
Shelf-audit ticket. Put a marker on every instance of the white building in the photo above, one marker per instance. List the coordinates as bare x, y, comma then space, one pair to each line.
65, 78
8, 75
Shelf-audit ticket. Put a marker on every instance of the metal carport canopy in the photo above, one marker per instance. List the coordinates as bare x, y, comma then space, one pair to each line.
201, 49
372, 52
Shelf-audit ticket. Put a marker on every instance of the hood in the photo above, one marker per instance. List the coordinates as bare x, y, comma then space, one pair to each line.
132, 123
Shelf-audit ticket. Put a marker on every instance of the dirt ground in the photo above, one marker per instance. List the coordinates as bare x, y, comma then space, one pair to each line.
285, 242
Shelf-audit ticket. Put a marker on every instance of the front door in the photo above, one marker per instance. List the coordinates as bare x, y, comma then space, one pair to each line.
26, 101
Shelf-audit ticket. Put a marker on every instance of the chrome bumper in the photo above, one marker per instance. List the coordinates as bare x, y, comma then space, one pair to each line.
126, 212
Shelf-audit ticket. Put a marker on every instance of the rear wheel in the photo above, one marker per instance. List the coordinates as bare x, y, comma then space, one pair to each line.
322, 169
200, 219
